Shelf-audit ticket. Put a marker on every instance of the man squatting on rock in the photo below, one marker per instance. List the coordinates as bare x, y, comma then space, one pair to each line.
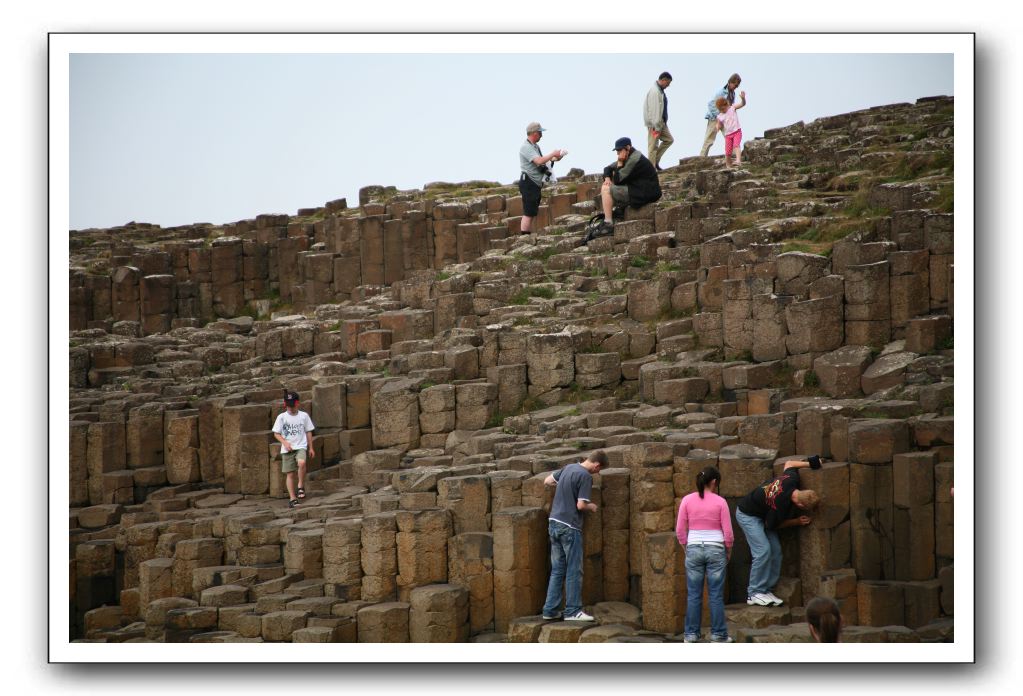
764, 510
290, 430
534, 168
565, 528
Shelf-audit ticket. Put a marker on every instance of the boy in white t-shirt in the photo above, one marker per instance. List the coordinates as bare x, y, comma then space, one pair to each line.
290, 430
728, 122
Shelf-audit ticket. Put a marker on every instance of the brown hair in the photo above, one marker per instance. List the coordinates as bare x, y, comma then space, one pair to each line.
599, 457
823, 616
721, 104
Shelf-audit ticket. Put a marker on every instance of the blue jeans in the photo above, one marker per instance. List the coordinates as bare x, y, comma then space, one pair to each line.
766, 549
566, 569
705, 561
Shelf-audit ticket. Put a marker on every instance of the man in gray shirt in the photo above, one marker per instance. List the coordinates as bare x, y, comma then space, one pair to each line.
655, 117
565, 528
534, 170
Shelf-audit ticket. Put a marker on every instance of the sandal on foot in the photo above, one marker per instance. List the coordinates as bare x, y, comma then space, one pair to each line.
301, 492
292, 503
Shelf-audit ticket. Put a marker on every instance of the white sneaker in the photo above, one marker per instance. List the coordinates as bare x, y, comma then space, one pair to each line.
579, 616
760, 598
775, 599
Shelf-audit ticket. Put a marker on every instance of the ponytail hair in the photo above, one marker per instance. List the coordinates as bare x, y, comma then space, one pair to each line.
706, 475
824, 618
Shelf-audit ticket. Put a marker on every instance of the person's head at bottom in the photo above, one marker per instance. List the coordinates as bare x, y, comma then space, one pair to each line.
824, 618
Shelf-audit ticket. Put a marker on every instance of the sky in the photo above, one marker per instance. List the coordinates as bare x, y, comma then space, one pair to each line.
180, 138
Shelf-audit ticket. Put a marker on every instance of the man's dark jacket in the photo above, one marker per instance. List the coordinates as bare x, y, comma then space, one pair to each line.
639, 175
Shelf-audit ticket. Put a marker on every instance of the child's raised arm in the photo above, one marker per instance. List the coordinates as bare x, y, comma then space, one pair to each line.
742, 95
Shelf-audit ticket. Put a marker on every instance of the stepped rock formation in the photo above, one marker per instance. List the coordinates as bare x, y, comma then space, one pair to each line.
799, 305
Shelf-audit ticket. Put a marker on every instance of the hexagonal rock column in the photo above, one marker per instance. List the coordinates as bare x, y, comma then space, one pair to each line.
439, 614
550, 360
769, 327
511, 385
468, 500
384, 623
236, 421
840, 370
651, 496
813, 429
597, 369
814, 325
913, 498
437, 409
826, 542
614, 492
927, 334
648, 299
125, 293
190, 554
887, 371
422, 546
328, 410
394, 412
379, 557
743, 468
797, 271
181, 624
94, 578
155, 580
520, 564
475, 404
868, 304
664, 592
872, 520
183, 450
303, 552
471, 565
775, 431
876, 440
105, 454
156, 300
342, 550
910, 286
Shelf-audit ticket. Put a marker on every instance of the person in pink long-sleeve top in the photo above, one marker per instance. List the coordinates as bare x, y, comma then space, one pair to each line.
704, 529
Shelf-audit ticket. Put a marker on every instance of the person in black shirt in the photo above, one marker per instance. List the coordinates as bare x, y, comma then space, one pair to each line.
777, 504
630, 180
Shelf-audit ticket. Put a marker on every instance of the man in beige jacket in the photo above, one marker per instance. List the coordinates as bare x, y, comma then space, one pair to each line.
655, 117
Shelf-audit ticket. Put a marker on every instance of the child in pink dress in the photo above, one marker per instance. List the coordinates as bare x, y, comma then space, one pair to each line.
728, 122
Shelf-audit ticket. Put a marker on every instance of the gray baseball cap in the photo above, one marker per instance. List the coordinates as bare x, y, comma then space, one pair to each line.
534, 127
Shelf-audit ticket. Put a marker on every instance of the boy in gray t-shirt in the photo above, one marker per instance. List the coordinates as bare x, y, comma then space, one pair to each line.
564, 527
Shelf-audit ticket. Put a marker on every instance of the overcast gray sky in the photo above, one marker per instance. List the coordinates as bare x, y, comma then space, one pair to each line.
179, 138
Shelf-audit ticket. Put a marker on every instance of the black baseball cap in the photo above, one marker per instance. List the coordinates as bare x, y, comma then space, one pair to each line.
622, 142
290, 398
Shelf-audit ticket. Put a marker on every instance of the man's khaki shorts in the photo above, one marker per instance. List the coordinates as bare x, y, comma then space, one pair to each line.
620, 194
290, 460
